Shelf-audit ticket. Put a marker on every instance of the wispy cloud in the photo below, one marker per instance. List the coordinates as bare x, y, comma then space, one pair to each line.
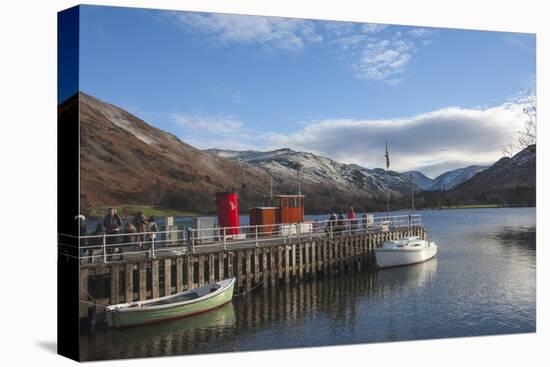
271, 32
379, 52
384, 60
376, 52
373, 27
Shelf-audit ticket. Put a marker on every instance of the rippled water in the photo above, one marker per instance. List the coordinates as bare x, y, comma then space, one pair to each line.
482, 283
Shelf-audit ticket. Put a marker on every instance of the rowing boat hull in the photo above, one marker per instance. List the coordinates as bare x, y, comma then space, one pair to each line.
147, 315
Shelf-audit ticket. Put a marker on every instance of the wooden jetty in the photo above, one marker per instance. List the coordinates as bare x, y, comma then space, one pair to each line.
268, 265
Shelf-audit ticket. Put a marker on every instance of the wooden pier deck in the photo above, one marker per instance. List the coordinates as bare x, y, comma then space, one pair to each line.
274, 262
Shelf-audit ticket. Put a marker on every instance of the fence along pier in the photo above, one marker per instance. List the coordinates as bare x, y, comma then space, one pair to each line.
115, 270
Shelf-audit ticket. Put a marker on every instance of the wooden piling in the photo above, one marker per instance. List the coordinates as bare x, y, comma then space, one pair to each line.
155, 279
179, 274
142, 296
115, 281
84, 300
129, 283
167, 277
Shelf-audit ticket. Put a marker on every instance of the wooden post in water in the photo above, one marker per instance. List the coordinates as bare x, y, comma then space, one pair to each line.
129, 283
167, 277
239, 269
272, 266
83, 304
230, 268
201, 270
287, 263
248, 275
189, 262
211, 268
179, 274
265, 271
155, 277
115, 281
142, 296
221, 260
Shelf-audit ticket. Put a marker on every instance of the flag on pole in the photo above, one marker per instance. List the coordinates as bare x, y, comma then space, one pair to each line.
387, 157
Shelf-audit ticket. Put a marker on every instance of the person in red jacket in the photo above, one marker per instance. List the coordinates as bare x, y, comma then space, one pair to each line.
352, 219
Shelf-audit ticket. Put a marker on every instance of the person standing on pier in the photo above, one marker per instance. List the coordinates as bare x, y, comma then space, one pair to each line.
341, 222
331, 223
352, 219
112, 224
140, 222
152, 227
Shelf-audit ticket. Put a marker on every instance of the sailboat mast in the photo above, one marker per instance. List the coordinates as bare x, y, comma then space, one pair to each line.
412, 192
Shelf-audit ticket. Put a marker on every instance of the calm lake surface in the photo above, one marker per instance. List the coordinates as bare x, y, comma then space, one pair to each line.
482, 283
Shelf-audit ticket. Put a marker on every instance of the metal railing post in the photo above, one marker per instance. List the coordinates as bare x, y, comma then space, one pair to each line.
153, 245
192, 239
256, 229
224, 239
104, 248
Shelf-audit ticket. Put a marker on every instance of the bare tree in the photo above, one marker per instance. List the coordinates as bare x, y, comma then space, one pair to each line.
509, 149
527, 136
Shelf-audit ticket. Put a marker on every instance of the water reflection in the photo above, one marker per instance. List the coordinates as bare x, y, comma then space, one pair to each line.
165, 338
407, 276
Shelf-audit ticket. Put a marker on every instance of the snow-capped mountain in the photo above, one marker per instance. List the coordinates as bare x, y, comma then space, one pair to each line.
320, 171
449, 180
422, 181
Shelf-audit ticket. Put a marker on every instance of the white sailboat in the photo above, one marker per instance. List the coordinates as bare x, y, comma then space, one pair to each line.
406, 250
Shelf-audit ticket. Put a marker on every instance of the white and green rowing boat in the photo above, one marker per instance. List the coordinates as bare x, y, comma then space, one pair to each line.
190, 302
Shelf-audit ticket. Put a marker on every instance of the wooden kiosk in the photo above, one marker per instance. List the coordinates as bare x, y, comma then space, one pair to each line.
279, 209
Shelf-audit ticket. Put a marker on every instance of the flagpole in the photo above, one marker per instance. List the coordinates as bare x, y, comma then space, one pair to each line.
387, 182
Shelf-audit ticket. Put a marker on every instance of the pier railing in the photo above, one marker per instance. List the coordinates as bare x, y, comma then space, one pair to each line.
116, 246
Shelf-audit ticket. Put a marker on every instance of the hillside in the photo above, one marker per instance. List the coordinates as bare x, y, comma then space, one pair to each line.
509, 180
125, 161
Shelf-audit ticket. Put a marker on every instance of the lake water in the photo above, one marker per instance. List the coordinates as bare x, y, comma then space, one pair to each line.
481, 283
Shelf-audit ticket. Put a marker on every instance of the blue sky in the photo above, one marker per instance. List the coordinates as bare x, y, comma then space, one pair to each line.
443, 98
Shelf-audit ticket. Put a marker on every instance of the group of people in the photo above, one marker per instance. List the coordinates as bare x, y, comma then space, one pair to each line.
337, 223
137, 231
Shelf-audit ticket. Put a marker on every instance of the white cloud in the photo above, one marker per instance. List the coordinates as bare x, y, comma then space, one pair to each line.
383, 60
373, 27
433, 142
420, 32
279, 33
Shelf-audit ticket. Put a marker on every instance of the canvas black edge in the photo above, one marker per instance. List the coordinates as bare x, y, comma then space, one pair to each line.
68, 203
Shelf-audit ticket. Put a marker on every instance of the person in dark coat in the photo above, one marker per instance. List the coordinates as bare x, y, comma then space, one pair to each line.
140, 222
129, 235
331, 223
341, 222
113, 225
